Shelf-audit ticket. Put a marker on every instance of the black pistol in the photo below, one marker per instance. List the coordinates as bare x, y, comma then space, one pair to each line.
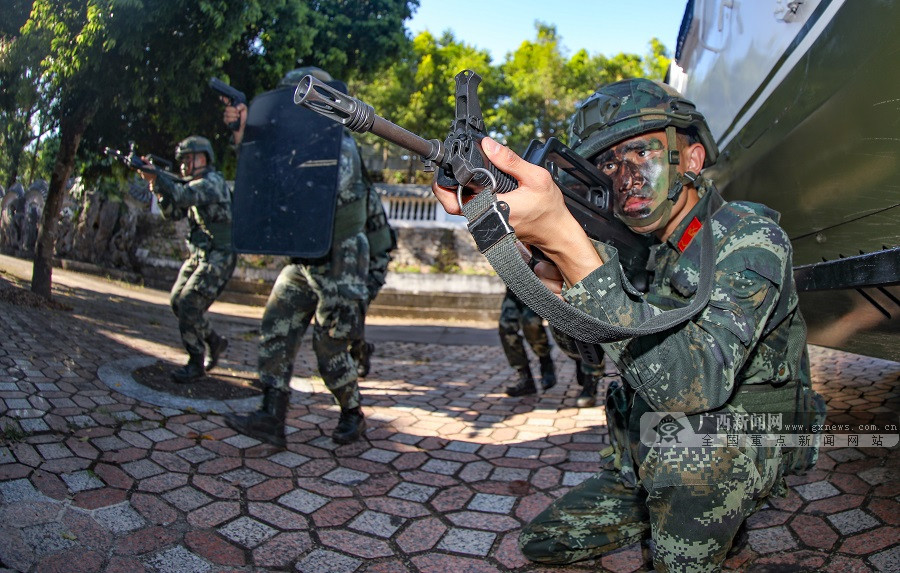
233, 95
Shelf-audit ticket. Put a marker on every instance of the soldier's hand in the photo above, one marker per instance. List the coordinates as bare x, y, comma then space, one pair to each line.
147, 175
545, 271
236, 115
538, 213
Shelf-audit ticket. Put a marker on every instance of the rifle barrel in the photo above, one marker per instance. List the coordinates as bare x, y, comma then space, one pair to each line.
358, 116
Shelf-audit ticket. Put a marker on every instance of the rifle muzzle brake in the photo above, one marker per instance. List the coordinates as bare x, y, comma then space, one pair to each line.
318, 96
360, 117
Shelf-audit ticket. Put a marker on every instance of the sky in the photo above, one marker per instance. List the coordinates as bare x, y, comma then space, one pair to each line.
605, 27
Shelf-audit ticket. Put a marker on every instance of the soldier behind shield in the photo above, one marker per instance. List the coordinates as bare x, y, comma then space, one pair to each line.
205, 201
329, 292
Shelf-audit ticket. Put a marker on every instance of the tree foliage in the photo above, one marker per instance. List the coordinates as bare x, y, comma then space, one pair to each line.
418, 90
147, 64
109, 72
530, 95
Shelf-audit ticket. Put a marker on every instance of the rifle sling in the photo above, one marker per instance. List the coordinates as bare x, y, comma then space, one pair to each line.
496, 239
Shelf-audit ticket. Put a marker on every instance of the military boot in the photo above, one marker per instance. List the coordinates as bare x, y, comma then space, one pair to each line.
548, 373
588, 396
217, 345
350, 426
191, 371
363, 354
267, 423
525, 386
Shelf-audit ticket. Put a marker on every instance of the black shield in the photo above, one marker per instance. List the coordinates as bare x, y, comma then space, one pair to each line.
287, 176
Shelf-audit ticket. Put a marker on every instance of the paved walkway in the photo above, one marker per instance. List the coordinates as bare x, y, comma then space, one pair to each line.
449, 470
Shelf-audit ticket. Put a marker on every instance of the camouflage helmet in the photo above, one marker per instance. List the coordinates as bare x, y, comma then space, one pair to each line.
195, 144
293, 77
628, 108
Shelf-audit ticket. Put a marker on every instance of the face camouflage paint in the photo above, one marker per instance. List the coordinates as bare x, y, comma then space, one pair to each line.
639, 169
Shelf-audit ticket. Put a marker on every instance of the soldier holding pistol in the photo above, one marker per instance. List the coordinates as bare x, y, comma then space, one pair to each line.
329, 292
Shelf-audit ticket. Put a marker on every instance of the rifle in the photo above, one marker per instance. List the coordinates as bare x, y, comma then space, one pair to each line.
233, 95
586, 190
155, 163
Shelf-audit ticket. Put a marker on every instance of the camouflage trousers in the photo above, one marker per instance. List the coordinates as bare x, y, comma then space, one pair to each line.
691, 501
331, 295
515, 316
200, 281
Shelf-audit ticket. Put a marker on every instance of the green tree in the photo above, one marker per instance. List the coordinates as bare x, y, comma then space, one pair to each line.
348, 38
118, 54
23, 113
418, 90
545, 87
537, 79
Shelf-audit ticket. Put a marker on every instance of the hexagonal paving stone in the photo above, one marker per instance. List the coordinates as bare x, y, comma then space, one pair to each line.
571, 479
771, 539
324, 561
816, 490
159, 434
303, 501
177, 560
379, 455
82, 481
377, 523
140, 469
244, 477
853, 521
468, 541
288, 459
196, 455
48, 538
20, 490
346, 476
241, 441
187, 498
119, 518
492, 503
412, 492
247, 531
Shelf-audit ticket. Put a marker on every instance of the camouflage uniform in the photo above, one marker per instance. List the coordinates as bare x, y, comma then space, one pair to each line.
329, 291
206, 202
382, 241
746, 351
515, 316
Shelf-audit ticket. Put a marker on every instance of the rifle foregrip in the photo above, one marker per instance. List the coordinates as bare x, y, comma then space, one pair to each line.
505, 182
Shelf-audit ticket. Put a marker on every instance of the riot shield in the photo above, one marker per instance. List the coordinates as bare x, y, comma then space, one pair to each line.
285, 190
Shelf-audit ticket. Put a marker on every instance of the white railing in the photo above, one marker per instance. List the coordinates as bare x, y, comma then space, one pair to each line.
407, 211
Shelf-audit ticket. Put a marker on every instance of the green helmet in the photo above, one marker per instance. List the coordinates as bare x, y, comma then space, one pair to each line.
195, 144
293, 77
624, 109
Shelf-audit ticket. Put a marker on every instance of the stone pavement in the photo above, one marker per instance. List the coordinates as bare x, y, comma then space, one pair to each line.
92, 479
